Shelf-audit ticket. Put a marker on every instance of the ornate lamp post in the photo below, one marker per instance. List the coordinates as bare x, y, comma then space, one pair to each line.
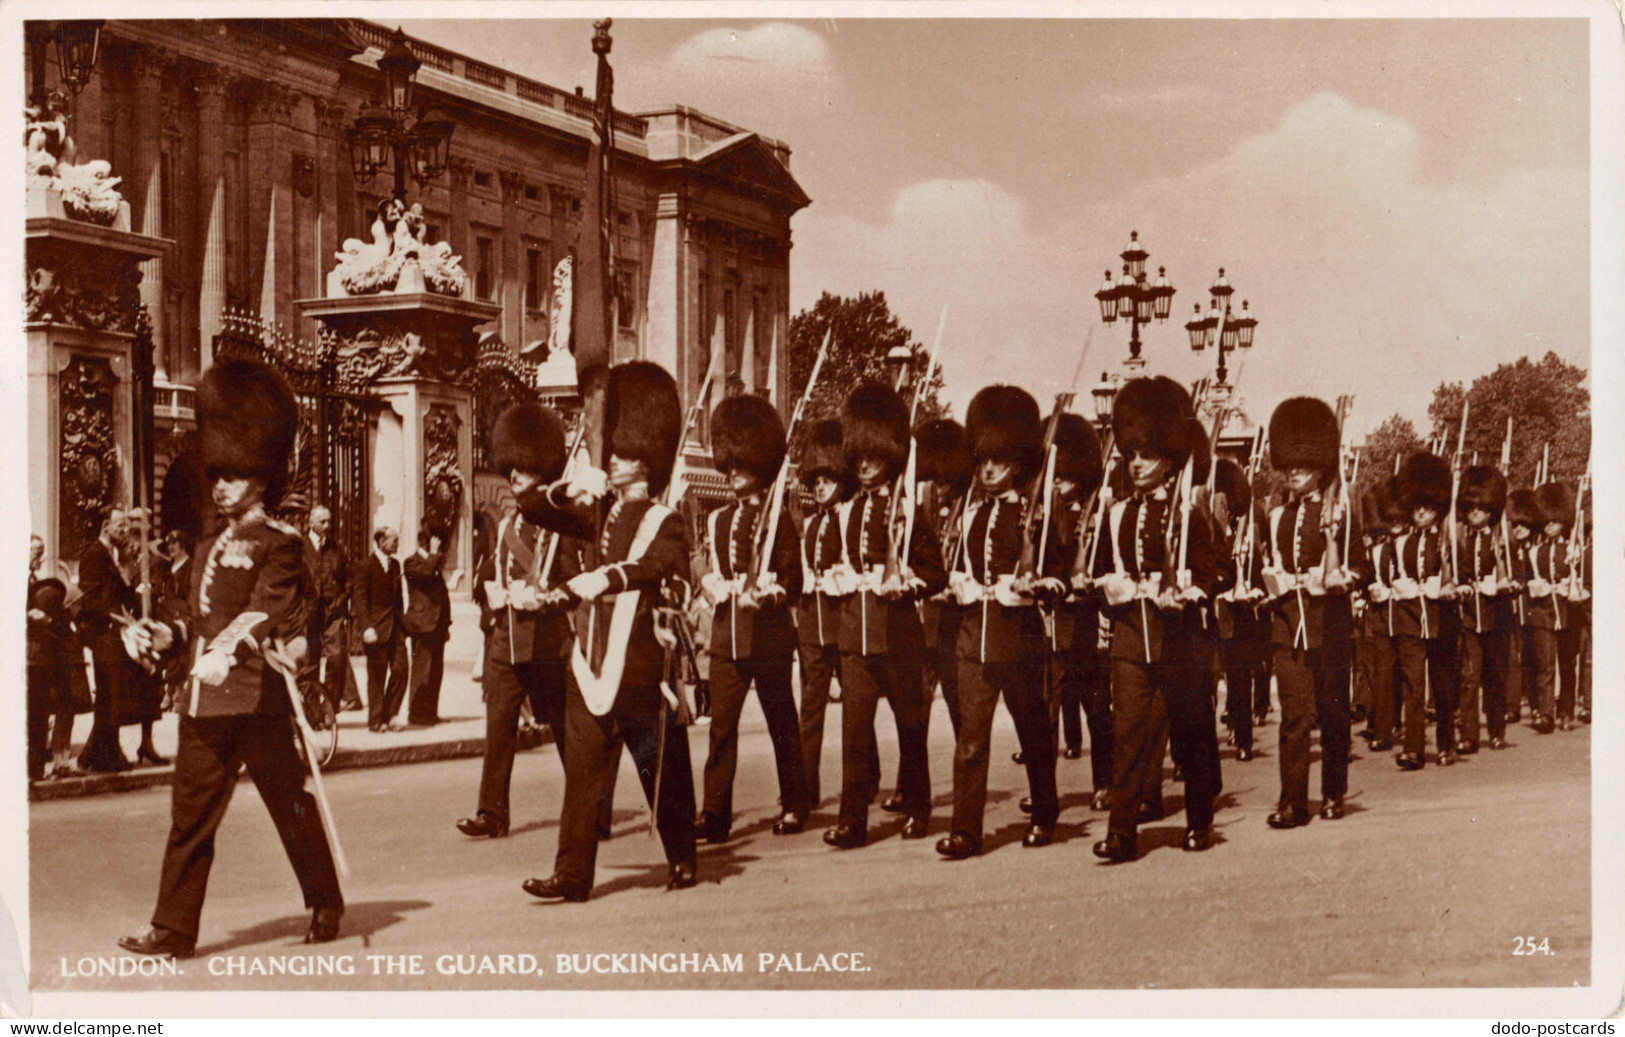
78, 44
1220, 328
1105, 395
1135, 299
380, 133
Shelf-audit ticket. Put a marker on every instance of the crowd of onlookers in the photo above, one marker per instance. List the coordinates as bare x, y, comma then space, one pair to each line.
395, 610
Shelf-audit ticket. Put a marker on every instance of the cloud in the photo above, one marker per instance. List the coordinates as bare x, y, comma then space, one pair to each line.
1366, 275
768, 77
778, 48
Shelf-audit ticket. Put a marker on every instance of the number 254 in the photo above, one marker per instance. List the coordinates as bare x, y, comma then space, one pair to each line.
1527, 945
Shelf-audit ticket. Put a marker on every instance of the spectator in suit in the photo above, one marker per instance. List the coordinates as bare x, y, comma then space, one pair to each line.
428, 623
331, 573
49, 646
103, 594
380, 602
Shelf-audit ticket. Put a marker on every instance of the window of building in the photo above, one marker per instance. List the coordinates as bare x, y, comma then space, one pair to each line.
484, 268
536, 285
532, 192
626, 296
482, 179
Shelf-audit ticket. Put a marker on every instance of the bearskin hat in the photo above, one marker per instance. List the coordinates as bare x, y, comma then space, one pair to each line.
1424, 482
1077, 453
1381, 508
1482, 487
1201, 451
1522, 510
1002, 424
943, 454
643, 418
1303, 434
1554, 502
529, 437
874, 421
247, 420
823, 455
747, 433
1149, 416
1231, 480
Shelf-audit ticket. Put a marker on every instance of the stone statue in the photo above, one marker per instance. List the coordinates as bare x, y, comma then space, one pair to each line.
558, 328
398, 259
89, 191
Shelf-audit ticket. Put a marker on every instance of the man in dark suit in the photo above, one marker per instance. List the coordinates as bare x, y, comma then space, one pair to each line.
104, 594
427, 622
380, 601
332, 575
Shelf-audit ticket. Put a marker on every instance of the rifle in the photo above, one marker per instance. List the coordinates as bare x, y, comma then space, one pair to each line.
1084, 564
1455, 489
1576, 547
1337, 497
770, 530
690, 422
1506, 530
1034, 538
897, 546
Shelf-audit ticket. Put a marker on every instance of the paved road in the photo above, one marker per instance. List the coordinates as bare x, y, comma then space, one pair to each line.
1428, 882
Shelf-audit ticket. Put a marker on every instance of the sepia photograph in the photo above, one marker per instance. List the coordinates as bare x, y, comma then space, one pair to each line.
1160, 444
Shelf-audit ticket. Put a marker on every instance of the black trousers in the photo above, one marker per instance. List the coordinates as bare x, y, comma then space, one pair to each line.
1569, 641
334, 660
1246, 684
819, 664
731, 680
428, 669
1425, 665
48, 696
385, 659
1484, 666
1146, 699
102, 751
1022, 685
1382, 665
1081, 682
206, 762
865, 679
506, 686
1314, 685
591, 753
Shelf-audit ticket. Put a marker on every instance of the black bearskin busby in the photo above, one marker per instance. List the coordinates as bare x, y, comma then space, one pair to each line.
1424, 482
1554, 502
1149, 416
529, 437
747, 433
1077, 453
1522, 509
943, 455
247, 420
1303, 434
874, 421
1231, 480
1482, 487
1381, 509
643, 418
1002, 424
824, 456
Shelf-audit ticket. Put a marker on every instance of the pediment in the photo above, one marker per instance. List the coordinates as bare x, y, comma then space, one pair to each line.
746, 161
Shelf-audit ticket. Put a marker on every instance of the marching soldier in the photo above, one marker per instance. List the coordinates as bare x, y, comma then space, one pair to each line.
1556, 641
1427, 621
1523, 521
1486, 608
752, 634
529, 646
945, 463
250, 595
1079, 674
882, 644
1000, 645
1243, 627
1156, 645
1384, 519
824, 473
1312, 618
627, 548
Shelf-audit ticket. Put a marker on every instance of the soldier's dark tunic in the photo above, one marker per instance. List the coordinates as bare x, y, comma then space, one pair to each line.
249, 586
1553, 638
1381, 642
1487, 623
1427, 629
1156, 659
604, 536
1245, 647
818, 629
1313, 634
753, 646
882, 650
1000, 651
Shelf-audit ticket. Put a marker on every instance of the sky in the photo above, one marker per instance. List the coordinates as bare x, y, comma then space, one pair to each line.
1402, 202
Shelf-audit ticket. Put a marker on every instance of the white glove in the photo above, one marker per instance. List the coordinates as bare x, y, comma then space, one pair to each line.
588, 586
587, 485
1539, 588
213, 668
523, 596
1118, 588
716, 588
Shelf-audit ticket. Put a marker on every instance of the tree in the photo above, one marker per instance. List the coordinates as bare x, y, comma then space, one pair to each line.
865, 331
1394, 438
1548, 403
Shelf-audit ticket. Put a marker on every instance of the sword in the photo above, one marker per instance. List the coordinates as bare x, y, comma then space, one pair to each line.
283, 665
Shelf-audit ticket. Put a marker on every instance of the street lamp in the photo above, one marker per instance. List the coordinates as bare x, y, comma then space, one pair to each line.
78, 44
1105, 395
1133, 298
1222, 329
380, 132
899, 365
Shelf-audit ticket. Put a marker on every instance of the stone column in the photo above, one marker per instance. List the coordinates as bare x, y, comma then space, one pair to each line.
210, 85
665, 309
511, 285
142, 184
268, 170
